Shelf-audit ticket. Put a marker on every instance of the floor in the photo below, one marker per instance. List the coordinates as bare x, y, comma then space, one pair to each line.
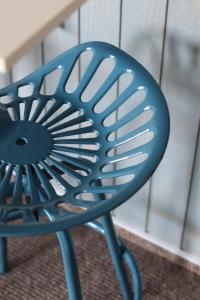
36, 272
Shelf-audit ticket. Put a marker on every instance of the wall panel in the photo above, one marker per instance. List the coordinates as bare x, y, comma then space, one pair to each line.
4, 79
141, 36
99, 21
171, 182
27, 64
191, 232
60, 40
168, 209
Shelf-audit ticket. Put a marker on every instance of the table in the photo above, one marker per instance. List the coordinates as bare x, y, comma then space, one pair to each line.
23, 23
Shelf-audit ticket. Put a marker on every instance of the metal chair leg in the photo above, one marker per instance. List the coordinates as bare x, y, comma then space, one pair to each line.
117, 257
3, 255
70, 265
126, 255
118, 253
69, 259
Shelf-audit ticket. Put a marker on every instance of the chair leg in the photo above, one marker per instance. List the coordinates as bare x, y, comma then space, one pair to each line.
117, 257
70, 265
3, 255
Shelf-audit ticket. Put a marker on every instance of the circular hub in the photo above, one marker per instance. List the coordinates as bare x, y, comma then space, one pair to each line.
24, 142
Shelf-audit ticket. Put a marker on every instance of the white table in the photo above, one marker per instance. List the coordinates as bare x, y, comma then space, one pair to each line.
23, 23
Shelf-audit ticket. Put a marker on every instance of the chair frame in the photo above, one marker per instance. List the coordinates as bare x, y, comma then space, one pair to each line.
61, 222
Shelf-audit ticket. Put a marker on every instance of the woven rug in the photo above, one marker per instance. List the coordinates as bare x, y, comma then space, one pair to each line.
36, 271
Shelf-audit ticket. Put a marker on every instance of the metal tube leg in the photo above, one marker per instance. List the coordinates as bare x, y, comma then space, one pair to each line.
117, 256
70, 265
3, 255
127, 256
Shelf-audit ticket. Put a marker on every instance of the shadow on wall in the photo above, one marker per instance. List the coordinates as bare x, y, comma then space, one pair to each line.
182, 58
181, 86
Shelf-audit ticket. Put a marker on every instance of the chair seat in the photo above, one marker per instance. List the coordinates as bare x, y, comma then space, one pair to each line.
61, 157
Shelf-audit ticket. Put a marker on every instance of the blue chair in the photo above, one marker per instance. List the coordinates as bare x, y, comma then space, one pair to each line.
56, 164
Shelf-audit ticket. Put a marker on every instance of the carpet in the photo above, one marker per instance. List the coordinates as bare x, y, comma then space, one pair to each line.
36, 271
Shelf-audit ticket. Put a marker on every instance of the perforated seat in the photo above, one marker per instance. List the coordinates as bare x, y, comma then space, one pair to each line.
65, 155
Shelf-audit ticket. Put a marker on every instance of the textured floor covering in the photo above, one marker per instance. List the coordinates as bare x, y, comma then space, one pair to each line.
36, 271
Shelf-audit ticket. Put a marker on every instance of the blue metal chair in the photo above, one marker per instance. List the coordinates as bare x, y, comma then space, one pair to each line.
74, 148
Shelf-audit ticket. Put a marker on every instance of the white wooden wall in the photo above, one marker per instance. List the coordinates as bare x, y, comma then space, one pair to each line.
165, 37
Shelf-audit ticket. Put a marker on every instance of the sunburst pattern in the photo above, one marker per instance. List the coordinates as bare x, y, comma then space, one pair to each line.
59, 154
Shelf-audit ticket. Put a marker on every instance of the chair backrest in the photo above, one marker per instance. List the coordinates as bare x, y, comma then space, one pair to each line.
107, 147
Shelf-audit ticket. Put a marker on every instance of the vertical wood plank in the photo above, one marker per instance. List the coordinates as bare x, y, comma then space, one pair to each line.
142, 30
99, 21
4, 79
170, 184
61, 38
27, 64
191, 231
58, 41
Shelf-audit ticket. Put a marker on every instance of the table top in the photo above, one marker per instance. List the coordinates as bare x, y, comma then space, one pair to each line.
24, 23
